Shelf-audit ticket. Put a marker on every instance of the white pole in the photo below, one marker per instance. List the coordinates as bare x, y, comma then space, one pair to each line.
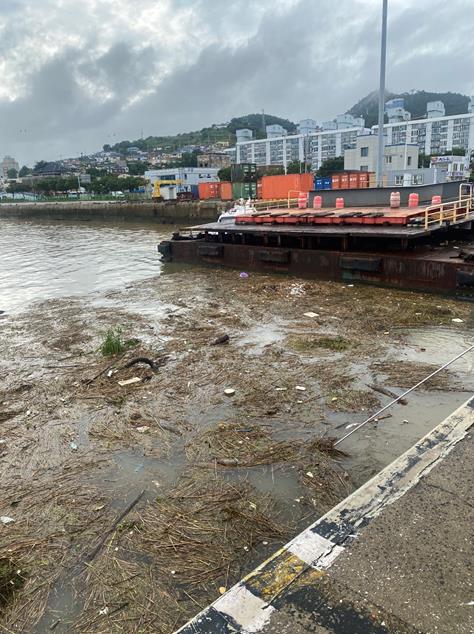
395, 400
383, 59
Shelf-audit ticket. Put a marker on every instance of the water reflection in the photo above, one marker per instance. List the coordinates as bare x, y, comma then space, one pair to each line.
44, 260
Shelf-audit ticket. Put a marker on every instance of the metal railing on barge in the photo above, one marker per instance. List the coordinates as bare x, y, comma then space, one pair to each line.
455, 211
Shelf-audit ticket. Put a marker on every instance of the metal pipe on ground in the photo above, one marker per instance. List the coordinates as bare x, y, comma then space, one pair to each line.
395, 400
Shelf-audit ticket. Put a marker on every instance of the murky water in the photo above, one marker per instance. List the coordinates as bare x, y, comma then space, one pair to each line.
44, 260
41, 260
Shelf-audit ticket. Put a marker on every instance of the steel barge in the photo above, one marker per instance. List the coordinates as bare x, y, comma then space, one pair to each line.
422, 247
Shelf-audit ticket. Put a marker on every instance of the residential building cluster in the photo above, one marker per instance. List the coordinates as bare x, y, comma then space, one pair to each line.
315, 143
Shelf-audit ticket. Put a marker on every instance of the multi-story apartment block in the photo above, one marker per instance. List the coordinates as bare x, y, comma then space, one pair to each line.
436, 135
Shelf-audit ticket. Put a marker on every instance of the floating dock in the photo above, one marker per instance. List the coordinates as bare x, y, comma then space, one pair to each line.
394, 247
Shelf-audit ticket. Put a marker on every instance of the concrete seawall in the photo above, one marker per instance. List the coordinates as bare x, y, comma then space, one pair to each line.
167, 213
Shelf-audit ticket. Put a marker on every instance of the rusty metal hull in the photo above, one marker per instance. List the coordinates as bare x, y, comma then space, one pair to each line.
422, 270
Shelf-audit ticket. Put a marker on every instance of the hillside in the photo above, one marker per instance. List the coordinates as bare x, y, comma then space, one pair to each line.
415, 102
206, 136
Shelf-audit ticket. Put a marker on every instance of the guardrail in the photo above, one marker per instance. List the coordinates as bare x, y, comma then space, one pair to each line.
458, 210
280, 203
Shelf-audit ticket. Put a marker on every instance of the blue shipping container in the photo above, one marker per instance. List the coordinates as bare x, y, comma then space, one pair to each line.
318, 183
327, 183
195, 190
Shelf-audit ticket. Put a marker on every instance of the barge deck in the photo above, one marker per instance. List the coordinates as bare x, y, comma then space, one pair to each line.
405, 248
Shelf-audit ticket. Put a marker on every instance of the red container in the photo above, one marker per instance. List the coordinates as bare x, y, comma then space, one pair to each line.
413, 200
209, 190
225, 190
259, 189
278, 187
344, 181
354, 181
336, 181
339, 203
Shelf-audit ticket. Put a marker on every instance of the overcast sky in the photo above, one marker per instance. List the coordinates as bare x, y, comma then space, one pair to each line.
76, 74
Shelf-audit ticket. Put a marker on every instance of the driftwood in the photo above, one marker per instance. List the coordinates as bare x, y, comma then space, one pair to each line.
386, 392
116, 522
228, 462
165, 427
220, 340
104, 370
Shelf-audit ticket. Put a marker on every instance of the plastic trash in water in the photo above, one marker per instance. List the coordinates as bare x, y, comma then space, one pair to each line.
243, 275
6, 520
73, 446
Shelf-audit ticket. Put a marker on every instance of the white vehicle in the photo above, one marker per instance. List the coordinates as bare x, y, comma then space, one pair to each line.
240, 208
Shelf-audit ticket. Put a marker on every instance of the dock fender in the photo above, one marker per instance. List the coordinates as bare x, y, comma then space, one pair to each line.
464, 279
276, 256
362, 263
165, 250
211, 250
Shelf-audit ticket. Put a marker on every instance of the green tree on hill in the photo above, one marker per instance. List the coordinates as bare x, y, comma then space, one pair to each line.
24, 171
224, 174
330, 166
296, 167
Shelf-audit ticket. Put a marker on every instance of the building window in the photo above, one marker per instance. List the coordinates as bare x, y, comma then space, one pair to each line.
364, 151
398, 180
388, 159
364, 168
409, 160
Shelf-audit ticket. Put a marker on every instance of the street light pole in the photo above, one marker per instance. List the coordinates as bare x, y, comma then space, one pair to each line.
383, 59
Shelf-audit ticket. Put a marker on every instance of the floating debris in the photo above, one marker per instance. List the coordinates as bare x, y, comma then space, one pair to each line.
135, 379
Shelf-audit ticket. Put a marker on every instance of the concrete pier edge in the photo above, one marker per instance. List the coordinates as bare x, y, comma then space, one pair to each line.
248, 606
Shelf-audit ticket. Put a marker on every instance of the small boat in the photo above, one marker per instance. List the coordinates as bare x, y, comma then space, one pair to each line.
240, 208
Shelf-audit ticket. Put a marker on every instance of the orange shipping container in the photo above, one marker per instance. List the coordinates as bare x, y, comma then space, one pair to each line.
354, 181
275, 187
336, 181
363, 179
208, 190
344, 181
259, 189
226, 191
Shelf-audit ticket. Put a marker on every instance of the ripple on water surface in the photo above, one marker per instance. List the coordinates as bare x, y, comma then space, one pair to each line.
44, 260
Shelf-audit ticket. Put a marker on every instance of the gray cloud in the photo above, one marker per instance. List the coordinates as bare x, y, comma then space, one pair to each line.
174, 65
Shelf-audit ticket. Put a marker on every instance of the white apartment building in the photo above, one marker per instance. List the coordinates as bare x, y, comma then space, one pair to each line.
363, 158
438, 135
9, 163
315, 147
